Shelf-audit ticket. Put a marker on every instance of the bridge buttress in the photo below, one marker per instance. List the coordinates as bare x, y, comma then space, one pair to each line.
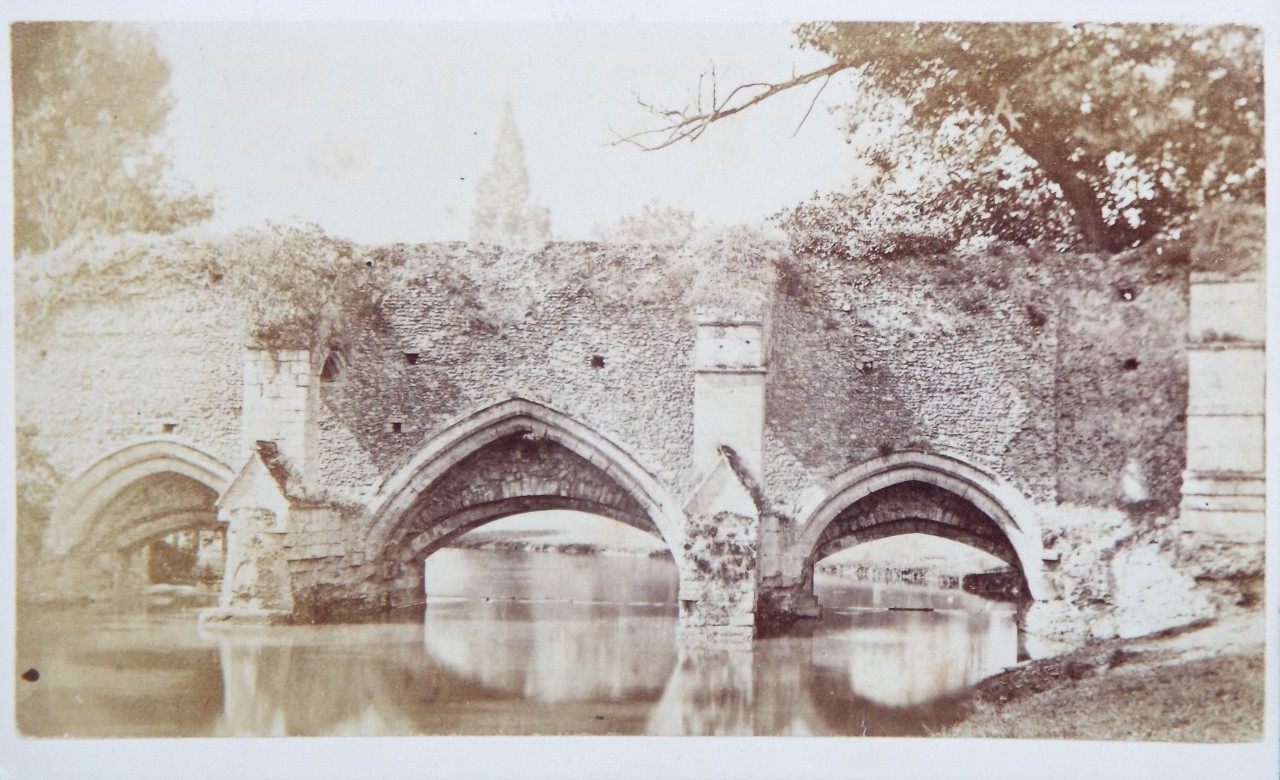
281, 399
280, 444
1223, 511
719, 562
728, 393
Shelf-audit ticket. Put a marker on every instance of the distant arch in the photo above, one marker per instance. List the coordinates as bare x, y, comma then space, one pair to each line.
916, 492
603, 479
82, 500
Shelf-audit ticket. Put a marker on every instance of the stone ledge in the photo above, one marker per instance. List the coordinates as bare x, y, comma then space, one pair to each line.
1219, 345
1226, 277
1224, 502
1237, 527
216, 618
1199, 483
720, 637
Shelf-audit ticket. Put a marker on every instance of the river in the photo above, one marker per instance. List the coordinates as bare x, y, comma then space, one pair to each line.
514, 643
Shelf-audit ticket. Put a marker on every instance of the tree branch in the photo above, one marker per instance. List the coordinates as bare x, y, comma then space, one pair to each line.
689, 124
812, 103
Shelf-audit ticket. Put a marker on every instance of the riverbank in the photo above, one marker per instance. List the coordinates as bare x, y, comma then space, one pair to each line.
1204, 684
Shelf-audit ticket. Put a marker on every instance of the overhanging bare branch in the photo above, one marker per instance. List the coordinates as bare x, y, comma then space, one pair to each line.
689, 123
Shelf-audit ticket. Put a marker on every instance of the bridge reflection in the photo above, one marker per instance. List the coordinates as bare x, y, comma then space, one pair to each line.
557, 668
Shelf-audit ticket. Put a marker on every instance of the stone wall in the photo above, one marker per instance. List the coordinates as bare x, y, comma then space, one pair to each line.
1064, 377
99, 374
1060, 397
871, 361
1121, 385
444, 351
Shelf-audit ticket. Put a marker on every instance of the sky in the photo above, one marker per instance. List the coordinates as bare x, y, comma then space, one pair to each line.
415, 109
379, 131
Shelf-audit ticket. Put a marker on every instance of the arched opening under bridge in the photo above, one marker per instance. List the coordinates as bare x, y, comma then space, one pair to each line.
923, 533
141, 516
509, 459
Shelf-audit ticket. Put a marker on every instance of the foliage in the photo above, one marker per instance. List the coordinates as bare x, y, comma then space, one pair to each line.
1230, 238
1121, 132
504, 216
1094, 137
734, 270
872, 224
172, 564
303, 289
98, 267
37, 483
90, 101
655, 226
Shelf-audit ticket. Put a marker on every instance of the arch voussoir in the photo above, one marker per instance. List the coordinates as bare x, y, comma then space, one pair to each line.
607, 480
82, 500
1001, 521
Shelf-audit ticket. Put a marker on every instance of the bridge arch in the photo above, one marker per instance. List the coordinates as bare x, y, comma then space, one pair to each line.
916, 492
80, 503
512, 457
124, 501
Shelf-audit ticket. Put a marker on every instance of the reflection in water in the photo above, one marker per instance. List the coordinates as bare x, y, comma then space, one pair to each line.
517, 643
103, 673
902, 659
553, 652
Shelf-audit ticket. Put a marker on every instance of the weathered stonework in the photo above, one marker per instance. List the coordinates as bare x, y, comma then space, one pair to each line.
256, 585
719, 563
872, 402
1223, 511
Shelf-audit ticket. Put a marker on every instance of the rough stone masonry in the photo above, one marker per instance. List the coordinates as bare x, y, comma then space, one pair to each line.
1099, 433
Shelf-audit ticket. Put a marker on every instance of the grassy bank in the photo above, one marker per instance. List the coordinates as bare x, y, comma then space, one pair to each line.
1200, 685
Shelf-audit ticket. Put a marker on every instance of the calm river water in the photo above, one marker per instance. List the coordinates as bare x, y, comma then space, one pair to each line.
515, 643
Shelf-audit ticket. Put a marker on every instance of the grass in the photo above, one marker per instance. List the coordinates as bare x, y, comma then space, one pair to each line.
1167, 688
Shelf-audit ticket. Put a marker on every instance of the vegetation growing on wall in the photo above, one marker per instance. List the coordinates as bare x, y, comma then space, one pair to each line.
36, 485
654, 226
1230, 238
303, 289
111, 268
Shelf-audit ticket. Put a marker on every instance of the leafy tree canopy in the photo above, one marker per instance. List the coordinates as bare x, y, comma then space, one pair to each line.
89, 103
656, 225
1095, 136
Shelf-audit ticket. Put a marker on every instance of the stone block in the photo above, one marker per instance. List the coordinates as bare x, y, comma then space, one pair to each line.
1226, 381
729, 410
1199, 483
1232, 309
1224, 503
1233, 527
729, 346
1225, 444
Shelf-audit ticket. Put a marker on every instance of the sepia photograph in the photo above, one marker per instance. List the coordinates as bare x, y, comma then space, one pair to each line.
601, 376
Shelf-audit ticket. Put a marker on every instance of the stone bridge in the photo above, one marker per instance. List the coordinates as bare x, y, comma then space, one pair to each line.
336, 474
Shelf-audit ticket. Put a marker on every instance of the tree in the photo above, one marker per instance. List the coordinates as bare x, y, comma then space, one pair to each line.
1102, 136
655, 225
90, 101
504, 216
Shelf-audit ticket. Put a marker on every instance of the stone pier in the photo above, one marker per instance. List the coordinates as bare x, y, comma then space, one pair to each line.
1223, 512
280, 439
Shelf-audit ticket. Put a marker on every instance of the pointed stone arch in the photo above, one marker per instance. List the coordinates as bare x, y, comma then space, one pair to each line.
103, 518
82, 500
622, 488
950, 498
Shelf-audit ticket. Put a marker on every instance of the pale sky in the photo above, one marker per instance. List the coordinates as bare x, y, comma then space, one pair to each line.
379, 131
